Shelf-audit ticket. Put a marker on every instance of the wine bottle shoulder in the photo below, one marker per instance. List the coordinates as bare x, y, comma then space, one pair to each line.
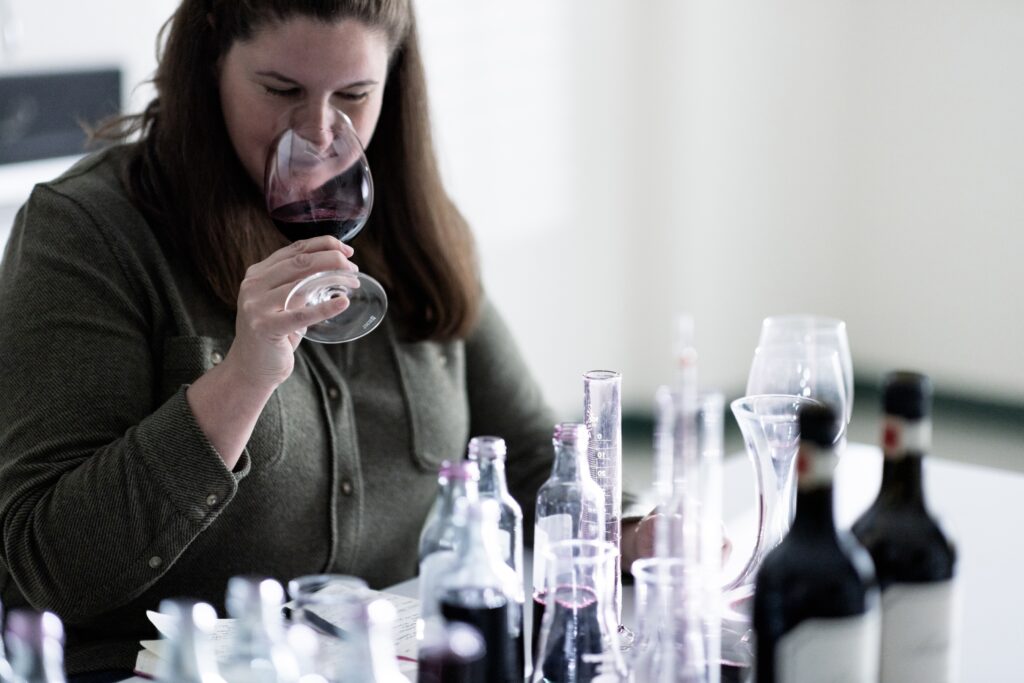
816, 579
906, 545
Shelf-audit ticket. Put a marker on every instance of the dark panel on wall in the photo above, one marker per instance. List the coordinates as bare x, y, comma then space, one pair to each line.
40, 114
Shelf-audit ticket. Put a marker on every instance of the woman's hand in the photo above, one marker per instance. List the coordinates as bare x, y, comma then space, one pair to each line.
266, 335
228, 399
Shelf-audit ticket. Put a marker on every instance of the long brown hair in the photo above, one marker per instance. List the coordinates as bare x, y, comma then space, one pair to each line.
185, 176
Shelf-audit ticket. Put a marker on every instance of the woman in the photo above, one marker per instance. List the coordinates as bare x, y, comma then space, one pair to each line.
163, 429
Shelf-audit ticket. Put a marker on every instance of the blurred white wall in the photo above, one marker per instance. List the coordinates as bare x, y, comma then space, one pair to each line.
737, 159
622, 161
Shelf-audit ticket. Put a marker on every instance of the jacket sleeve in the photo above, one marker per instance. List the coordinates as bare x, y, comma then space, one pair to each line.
102, 483
506, 401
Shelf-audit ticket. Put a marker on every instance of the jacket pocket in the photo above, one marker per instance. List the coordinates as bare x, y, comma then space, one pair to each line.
434, 385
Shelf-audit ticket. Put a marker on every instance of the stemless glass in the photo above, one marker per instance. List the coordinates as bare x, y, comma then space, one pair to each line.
324, 602
317, 182
316, 597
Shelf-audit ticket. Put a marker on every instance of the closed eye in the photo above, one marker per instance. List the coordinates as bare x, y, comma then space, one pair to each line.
353, 96
281, 92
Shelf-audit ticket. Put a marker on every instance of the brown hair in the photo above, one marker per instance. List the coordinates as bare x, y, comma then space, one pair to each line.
185, 176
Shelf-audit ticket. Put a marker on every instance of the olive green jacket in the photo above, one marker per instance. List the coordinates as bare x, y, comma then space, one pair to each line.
111, 497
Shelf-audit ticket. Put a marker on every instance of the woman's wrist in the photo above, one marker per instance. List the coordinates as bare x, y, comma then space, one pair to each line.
226, 403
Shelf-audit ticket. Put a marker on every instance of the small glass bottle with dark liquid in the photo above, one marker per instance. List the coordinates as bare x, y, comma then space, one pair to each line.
484, 592
456, 487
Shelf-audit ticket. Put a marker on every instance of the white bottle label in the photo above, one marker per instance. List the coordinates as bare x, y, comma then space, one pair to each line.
843, 650
900, 436
432, 570
548, 530
919, 632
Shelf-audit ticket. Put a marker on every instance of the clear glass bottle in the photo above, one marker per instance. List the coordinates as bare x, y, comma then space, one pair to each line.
816, 614
579, 635
259, 650
915, 561
570, 506
489, 453
456, 487
190, 656
36, 644
481, 590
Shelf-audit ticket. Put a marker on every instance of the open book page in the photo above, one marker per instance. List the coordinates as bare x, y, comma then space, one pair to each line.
407, 613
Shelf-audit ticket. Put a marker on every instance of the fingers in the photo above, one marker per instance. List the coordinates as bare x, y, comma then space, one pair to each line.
269, 323
289, 271
313, 245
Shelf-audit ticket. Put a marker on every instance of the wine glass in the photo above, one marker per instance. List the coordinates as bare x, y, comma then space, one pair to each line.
318, 182
813, 372
812, 332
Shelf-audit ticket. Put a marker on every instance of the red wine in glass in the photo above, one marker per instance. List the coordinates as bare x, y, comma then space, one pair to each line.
302, 221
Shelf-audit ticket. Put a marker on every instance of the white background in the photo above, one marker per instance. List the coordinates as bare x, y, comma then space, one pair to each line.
623, 161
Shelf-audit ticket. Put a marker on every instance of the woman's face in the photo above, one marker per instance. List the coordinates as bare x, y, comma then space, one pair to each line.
301, 65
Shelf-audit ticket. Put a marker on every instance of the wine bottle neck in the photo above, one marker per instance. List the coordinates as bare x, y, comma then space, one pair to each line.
569, 462
814, 512
455, 491
477, 546
492, 477
902, 480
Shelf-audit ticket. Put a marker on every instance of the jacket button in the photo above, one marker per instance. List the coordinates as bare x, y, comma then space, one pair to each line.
333, 393
346, 487
211, 500
155, 562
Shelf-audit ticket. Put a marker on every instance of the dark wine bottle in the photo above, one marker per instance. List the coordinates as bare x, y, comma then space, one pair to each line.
914, 559
816, 613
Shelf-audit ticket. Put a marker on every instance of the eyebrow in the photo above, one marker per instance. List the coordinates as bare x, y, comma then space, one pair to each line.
285, 79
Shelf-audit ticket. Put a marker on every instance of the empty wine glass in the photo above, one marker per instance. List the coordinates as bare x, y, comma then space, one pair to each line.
318, 182
811, 332
813, 372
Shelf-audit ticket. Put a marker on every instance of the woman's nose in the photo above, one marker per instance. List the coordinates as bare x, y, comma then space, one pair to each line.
317, 126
